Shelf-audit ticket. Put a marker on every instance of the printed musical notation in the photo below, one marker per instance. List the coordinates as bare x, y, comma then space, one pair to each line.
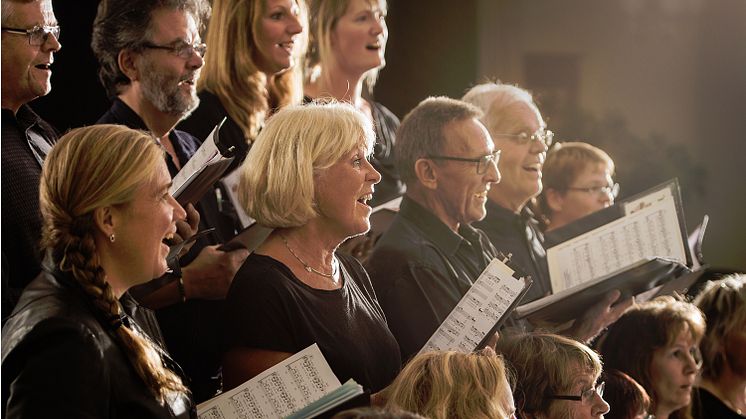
486, 302
277, 392
649, 229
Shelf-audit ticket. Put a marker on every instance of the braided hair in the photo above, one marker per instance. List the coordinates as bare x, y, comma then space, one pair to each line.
90, 168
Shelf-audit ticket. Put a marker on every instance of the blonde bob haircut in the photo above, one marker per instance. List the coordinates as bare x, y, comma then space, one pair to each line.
90, 168
231, 74
453, 384
324, 16
494, 99
276, 186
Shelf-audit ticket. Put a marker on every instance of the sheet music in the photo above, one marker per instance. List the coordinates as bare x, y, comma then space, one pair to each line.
231, 186
650, 229
478, 311
206, 153
279, 391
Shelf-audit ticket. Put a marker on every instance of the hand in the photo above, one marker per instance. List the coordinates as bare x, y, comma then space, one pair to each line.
492, 342
209, 276
599, 316
187, 228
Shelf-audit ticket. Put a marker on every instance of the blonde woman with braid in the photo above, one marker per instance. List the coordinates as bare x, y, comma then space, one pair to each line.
77, 345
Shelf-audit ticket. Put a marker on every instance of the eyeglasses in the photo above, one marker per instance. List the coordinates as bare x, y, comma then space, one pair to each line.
37, 35
546, 137
182, 50
612, 191
586, 395
482, 162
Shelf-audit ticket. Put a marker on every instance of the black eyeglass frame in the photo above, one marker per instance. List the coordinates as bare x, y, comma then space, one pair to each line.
598, 389
34, 33
482, 162
184, 50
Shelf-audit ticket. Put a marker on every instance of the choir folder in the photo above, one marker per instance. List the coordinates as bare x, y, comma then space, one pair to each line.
632, 246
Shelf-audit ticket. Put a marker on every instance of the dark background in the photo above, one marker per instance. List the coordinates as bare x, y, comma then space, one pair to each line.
660, 85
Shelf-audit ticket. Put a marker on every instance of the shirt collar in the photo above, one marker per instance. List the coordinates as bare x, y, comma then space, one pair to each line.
435, 229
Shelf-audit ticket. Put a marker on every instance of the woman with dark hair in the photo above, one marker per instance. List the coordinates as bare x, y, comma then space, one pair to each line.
657, 344
722, 390
627, 398
77, 345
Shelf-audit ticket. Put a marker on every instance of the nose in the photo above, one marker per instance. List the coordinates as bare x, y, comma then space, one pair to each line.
600, 406
179, 212
373, 175
51, 44
295, 26
492, 175
195, 61
379, 25
606, 198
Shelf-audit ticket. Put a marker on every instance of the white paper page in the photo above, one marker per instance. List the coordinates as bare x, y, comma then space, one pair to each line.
281, 390
651, 229
478, 311
231, 187
206, 153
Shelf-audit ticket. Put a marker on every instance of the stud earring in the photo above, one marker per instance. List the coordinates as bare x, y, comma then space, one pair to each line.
112, 238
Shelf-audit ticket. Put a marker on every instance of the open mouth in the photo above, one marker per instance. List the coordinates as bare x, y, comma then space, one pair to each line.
168, 239
287, 46
189, 82
365, 198
44, 66
481, 195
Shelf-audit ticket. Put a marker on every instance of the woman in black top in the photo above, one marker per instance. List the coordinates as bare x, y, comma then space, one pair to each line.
77, 345
308, 177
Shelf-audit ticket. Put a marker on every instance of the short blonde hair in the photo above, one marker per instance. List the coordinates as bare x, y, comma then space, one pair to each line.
452, 384
277, 179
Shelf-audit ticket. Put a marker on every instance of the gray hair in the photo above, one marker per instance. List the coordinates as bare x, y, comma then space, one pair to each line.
126, 24
421, 131
494, 98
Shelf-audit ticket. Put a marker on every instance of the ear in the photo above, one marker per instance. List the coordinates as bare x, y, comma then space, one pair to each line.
426, 173
104, 219
555, 199
127, 61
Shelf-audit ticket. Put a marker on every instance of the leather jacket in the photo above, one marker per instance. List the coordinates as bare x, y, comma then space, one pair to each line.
60, 358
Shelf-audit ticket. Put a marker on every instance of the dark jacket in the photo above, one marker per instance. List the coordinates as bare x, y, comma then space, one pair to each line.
61, 359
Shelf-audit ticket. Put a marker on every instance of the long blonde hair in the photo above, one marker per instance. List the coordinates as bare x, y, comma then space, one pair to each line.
231, 73
90, 168
452, 384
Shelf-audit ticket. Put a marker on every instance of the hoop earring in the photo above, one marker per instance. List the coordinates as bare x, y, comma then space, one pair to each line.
112, 238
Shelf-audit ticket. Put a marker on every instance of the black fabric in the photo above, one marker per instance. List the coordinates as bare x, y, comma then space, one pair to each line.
191, 329
385, 124
420, 269
519, 235
706, 406
21, 218
61, 359
269, 308
203, 120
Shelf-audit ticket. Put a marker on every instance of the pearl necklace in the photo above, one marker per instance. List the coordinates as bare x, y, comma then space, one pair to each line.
308, 267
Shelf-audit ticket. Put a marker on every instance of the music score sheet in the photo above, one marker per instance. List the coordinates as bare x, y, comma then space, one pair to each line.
480, 308
277, 392
649, 229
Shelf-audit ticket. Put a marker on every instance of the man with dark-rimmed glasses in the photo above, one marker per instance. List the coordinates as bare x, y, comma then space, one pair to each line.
430, 255
30, 37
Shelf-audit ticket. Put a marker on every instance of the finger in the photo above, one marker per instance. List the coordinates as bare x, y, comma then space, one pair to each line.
192, 216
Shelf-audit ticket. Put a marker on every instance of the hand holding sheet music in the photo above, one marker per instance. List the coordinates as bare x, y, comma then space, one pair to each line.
481, 311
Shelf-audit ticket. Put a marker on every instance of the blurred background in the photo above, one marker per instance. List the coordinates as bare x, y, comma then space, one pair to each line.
659, 84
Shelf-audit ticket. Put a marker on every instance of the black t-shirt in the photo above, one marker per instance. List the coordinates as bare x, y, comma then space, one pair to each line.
705, 406
269, 308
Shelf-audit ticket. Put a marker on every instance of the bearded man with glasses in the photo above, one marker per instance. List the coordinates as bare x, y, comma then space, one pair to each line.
30, 37
518, 129
431, 255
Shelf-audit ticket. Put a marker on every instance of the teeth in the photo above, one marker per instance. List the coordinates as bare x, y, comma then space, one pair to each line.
366, 198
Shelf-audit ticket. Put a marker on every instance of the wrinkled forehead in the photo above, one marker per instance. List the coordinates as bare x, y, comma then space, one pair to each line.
28, 13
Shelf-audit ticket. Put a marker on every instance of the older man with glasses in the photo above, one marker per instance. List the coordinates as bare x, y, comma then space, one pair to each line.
430, 255
518, 129
30, 37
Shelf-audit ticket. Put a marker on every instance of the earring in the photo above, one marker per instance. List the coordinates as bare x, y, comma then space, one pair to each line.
112, 238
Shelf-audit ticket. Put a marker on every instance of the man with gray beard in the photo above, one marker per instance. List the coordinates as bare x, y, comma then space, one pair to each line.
150, 55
